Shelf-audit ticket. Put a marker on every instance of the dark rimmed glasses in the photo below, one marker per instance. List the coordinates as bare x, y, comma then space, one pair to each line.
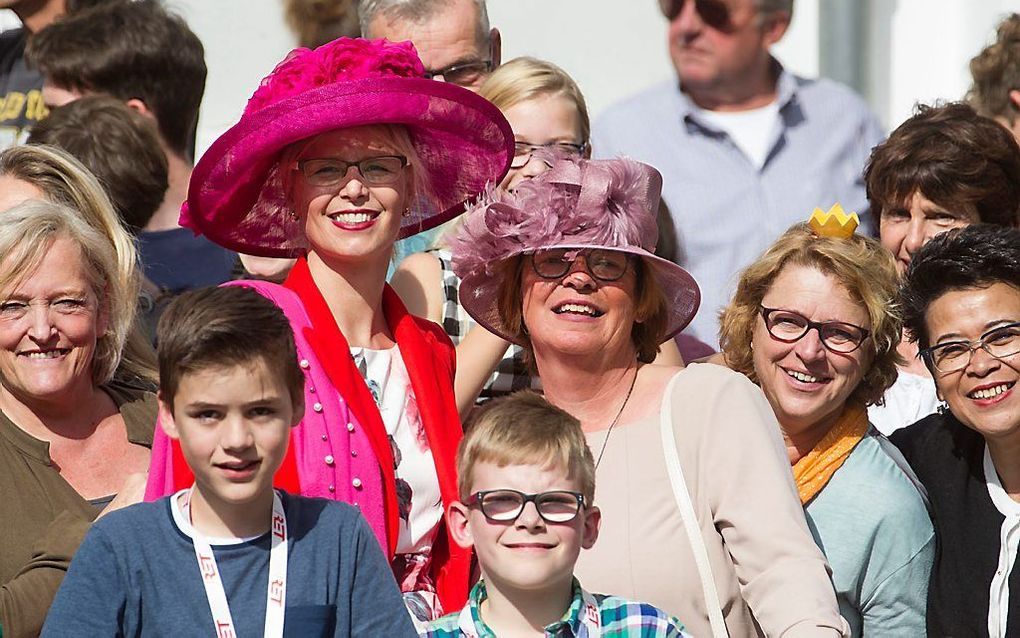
554, 150
504, 506
714, 13
601, 264
462, 73
953, 356
381, 170
837, 336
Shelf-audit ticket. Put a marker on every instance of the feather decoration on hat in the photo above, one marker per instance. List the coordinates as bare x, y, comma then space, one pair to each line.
584, 203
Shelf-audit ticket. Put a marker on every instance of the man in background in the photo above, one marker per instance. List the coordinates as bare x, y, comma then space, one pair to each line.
21, 103
455, 44
746, 148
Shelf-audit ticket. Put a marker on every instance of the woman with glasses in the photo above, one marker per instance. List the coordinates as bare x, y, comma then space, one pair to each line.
339, 152
946, 167
549, 118
962, 307
699, 512
813, 322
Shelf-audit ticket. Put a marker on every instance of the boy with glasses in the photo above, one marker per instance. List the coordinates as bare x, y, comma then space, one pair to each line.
527, 483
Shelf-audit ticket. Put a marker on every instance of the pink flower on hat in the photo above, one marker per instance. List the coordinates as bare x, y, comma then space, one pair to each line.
342, 60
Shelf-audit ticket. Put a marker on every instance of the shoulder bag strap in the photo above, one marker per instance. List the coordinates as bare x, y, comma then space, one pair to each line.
690, 520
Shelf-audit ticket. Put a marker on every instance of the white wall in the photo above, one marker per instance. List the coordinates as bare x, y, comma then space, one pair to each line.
912, 50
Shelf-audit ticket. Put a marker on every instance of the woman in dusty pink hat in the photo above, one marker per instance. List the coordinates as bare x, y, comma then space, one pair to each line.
700, 516
341, 151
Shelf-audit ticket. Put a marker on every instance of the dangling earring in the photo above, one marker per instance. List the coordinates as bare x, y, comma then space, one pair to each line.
293, 215
407, 212
943, 408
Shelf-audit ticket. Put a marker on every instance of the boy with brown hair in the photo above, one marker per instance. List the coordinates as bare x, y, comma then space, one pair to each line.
527, 486
231, 556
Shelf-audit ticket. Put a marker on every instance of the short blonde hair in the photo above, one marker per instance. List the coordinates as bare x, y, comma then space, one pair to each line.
524, 428
28, 231
859, 263
526, 78
64, 180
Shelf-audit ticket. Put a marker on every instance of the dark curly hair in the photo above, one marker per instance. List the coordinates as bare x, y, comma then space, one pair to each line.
977, 256
956, 158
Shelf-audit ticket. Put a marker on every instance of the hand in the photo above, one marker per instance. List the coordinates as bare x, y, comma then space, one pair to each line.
131, 492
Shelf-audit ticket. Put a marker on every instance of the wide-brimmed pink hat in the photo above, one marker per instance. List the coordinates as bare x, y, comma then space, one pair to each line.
237, 196
608, 204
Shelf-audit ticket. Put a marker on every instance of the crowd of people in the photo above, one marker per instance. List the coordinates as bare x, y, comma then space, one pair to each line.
417, 348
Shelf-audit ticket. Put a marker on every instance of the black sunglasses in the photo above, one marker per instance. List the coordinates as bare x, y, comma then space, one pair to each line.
714, 13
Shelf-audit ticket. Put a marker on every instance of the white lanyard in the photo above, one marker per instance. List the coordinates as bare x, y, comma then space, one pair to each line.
276, 593
591, 619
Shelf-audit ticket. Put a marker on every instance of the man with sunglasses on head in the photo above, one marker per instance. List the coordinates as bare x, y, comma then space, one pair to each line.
744, 146
455, 43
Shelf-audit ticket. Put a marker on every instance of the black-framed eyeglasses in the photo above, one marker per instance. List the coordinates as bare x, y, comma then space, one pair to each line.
714, 13
376, 171
601, 264
554, 150
837, 336
953, 356
462, 73
504, 506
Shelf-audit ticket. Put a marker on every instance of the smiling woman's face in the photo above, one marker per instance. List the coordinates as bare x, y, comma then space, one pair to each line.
806, 383
50, 323
350, 220
983, 395
577, 314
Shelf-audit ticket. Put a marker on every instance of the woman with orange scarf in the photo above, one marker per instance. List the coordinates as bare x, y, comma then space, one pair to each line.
814, 323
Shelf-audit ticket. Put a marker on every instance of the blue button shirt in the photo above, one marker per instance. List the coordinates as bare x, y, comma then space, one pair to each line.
727, 210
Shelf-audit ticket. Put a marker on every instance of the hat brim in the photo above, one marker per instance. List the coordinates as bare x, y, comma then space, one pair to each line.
461, 139
479, 291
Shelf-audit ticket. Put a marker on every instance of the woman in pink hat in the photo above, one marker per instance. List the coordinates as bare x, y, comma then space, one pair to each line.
341, 151
700, 514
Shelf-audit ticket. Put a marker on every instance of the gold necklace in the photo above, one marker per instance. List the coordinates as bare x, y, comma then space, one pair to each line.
609, 431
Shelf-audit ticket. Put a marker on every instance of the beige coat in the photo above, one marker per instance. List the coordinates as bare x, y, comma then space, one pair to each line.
765, 564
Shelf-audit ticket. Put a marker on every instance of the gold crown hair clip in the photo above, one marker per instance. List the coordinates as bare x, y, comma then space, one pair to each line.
834, 223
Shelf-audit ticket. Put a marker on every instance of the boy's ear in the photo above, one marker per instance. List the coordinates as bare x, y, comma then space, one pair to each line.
166, 420
592, 521
457, 521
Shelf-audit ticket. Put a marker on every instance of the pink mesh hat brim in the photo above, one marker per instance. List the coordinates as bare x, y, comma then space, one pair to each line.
236, 195
576, 204
479, 292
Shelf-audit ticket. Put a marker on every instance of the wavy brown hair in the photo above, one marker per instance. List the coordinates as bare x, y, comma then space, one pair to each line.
859, 263
996, 71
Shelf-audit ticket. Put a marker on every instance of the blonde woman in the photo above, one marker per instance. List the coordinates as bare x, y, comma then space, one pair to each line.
46, 172
74, 435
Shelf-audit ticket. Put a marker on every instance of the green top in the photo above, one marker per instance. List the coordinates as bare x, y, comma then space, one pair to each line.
45, 518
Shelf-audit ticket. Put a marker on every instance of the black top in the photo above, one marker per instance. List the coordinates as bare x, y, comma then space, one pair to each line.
20, 90
948, 458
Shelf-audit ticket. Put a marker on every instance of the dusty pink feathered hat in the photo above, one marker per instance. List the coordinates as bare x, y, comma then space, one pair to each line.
237, 196
575, 204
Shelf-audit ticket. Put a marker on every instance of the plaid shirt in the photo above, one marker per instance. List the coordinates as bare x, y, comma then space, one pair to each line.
618, 618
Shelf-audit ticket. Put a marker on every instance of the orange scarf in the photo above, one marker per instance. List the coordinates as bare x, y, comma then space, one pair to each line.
812, 473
